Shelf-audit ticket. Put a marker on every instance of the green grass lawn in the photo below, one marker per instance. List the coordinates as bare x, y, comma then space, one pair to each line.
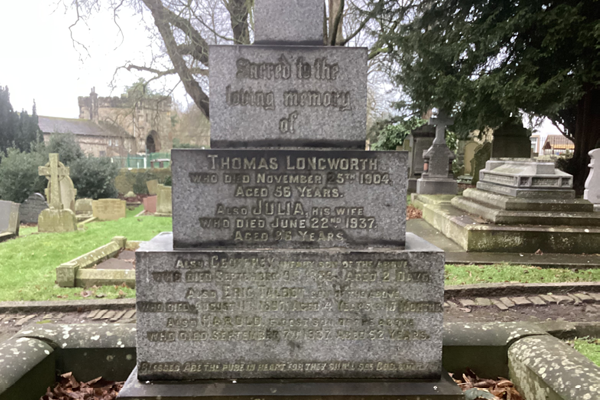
472, 274
589, 347
27, 264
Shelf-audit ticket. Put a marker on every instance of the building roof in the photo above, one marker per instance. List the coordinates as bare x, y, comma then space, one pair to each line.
79, 127
558, 142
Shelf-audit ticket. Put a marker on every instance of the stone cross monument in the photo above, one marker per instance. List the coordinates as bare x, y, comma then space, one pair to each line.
56, 218
54, 172
289, 258
437, 176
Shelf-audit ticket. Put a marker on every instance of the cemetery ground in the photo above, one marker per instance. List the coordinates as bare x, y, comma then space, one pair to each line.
28, 263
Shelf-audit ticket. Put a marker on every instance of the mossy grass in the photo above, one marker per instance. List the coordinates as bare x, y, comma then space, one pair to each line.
589, 347
28, 263
474, 274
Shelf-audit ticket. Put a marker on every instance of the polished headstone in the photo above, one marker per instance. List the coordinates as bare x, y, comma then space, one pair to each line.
32, 207
297, 22
274, 314
288, 198
288, 96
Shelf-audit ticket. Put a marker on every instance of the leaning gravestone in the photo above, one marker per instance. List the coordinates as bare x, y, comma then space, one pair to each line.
84, 209
592, 184
288, 263
57, 218
32, 207
9, 220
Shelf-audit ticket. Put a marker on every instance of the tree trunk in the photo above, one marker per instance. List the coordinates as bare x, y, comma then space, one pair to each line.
587, 135
334, 10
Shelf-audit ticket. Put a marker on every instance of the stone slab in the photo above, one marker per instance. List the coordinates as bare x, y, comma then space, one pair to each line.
164, 201
9, 217
152, 187
297, 314
272, 96
566, 194
32, 207
289, 22
288, 198
443, 389
109, 209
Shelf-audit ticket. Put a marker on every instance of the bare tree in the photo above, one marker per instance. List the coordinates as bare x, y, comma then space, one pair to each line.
183, 30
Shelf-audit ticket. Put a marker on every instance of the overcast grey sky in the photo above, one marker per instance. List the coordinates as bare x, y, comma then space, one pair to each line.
38, 60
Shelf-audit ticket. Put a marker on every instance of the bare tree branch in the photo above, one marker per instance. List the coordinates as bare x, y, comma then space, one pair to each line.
336, 23
161, 20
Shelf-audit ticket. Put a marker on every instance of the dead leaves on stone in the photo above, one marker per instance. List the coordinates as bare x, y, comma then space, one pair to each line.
477, 388
413, 213
68, 388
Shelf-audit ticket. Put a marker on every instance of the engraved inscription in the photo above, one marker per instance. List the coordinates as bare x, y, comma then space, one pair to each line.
281, 197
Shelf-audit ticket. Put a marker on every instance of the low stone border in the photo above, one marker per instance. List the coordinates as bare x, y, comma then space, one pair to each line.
510, 289
544, 367
65, 306
541, 366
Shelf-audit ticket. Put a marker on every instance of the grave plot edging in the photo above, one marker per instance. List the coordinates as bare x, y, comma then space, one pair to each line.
67, 273
545, 368
27, 368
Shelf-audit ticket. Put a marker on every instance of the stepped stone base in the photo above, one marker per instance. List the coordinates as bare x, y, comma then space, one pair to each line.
474, 233
505, 210
444, 389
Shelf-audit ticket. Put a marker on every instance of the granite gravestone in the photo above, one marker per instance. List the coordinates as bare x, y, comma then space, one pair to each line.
32, 207
592, 184
437, 176
9, 220
351, 301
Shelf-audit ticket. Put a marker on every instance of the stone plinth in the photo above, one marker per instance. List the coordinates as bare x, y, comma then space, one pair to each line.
288, 96
438, 178
288, 198
443, 389
289, 21
298, 314
53, 220
32, 207
109, 209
